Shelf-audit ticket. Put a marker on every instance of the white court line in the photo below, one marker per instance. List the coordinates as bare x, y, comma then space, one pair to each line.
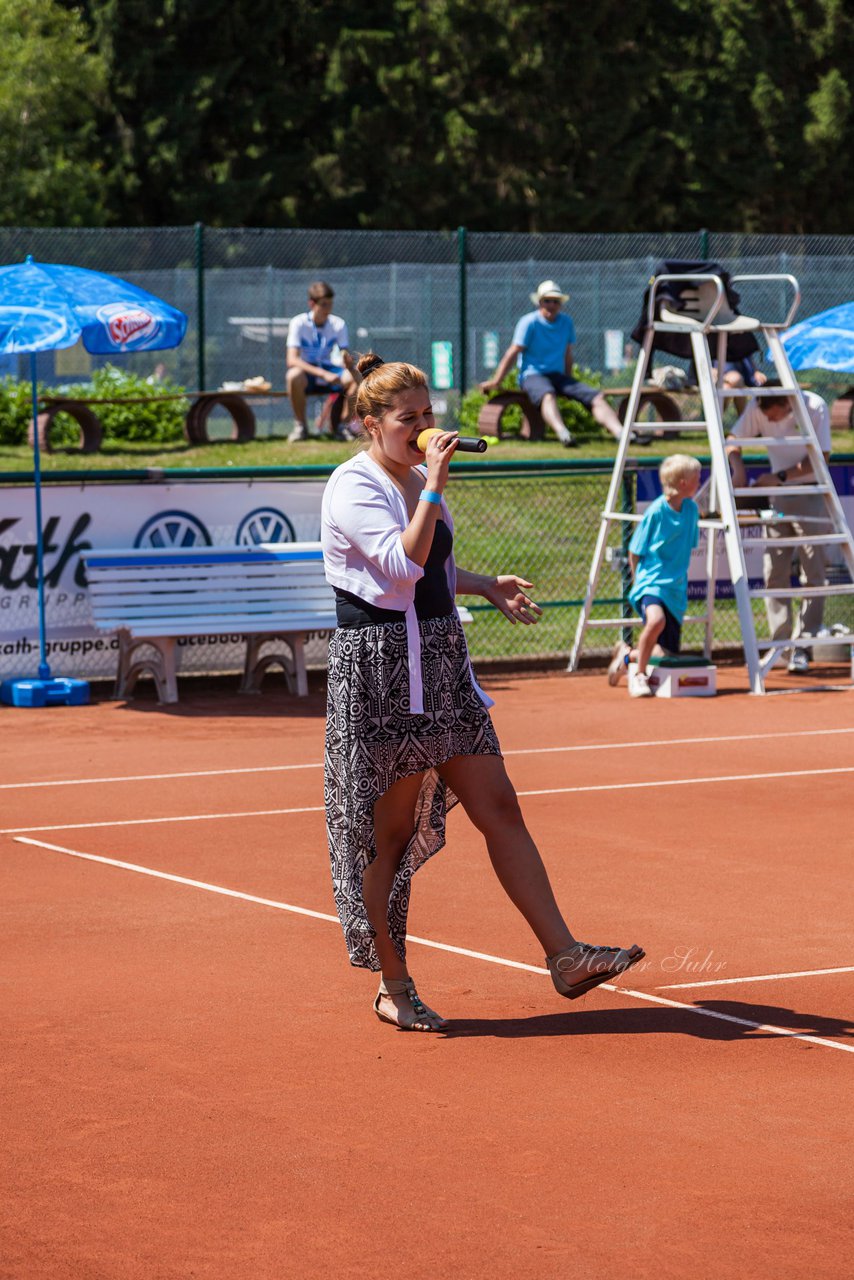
813, 688
158, 777
683, 782
760, 977
144, 822
426, 942
548, 791
680, 742
522, 751
728, 1017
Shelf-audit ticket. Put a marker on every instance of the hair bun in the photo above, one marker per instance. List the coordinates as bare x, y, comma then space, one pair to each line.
369, 362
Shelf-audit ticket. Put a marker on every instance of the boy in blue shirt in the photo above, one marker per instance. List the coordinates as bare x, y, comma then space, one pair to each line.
542, 348
659, 555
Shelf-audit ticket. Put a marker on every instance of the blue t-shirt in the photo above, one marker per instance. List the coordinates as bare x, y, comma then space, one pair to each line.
663, 542
545, 342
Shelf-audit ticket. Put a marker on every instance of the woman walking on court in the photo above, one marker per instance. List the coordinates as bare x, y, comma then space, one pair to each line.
408, 730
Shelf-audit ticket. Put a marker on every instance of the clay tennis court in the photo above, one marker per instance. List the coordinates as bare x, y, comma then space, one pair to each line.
195, 1084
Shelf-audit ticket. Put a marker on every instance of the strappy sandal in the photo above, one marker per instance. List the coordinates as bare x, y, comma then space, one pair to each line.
592, 965
412, 1020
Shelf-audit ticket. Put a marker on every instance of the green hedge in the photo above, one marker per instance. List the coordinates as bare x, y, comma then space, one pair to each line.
16, 410
157, 421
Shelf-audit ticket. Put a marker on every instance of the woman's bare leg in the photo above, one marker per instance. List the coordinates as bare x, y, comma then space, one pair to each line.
489, 798
394, 822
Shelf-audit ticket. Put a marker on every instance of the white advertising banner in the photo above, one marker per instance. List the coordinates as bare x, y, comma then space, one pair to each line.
110, 516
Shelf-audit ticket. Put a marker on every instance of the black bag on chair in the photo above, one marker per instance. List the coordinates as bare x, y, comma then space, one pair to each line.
673, 296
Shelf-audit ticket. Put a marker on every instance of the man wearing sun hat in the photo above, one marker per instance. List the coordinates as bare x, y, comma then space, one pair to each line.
542, 348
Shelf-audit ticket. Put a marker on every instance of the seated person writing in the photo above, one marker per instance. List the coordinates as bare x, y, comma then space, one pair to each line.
659, 555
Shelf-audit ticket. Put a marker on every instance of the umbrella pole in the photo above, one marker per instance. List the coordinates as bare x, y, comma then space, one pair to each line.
44, 668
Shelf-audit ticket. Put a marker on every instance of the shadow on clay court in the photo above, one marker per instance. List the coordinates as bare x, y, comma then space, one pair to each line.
208, 697
657, 1021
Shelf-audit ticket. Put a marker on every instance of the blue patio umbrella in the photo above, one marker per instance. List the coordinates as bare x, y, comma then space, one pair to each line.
823, 341
45, 306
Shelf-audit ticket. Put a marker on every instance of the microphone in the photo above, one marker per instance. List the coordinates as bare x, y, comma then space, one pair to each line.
465, 444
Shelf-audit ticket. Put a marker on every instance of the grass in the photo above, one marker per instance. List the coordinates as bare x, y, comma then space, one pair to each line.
271, 448
275, 451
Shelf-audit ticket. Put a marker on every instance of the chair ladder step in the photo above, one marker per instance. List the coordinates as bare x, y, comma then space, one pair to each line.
771, 442
646, 427
816, 540
806, 642
801, 593
754, 393
604, 624
776, 491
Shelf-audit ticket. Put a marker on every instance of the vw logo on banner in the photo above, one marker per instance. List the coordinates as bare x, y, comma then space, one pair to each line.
173, 529
265, 524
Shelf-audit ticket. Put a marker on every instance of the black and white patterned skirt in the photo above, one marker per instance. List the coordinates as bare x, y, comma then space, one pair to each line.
372, 740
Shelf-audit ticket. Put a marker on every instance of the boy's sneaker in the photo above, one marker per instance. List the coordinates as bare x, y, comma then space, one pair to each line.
618, 662
299, 433
799, 661
639, 687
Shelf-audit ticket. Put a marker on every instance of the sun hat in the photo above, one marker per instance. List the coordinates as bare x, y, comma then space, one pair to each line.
548, 289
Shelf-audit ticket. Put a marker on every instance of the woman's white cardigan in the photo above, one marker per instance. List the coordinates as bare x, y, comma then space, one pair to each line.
363, 516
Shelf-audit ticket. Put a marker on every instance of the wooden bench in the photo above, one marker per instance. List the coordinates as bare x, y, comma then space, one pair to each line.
237, 404
842, 411
274, 593
490, 418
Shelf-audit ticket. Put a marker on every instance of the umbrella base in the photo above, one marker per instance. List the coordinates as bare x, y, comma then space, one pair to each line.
56, 692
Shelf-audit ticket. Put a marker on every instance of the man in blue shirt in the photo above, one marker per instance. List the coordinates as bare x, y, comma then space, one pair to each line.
542, 348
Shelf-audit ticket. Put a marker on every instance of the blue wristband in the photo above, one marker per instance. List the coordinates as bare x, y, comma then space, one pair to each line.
429, 495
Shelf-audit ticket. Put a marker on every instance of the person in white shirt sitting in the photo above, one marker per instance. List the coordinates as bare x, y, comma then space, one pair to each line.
408, 731
313, 339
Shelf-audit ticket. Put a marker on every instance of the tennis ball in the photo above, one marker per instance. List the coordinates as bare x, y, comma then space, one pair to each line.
491, 440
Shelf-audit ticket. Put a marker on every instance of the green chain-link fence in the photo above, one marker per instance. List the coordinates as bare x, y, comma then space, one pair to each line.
541, 521
447, 301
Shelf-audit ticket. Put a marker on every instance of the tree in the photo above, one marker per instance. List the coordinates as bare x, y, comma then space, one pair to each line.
513, 115
51, 83
212, 107
500, 116
761, 114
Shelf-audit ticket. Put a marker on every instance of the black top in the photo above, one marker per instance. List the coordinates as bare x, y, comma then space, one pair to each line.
432, 595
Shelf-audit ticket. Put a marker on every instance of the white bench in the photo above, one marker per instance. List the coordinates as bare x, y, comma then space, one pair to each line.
274, 592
